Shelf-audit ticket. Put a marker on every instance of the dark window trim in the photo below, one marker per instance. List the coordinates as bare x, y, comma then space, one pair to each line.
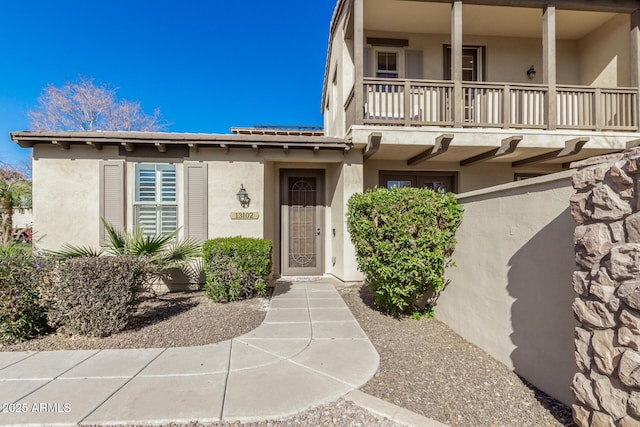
376, 41
410, 175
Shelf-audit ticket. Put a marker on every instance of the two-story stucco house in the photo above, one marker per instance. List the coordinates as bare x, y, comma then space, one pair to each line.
469, 94
457, 94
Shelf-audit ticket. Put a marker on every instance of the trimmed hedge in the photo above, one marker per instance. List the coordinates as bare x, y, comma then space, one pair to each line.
95, 296
236, 267
22, 314
404, 239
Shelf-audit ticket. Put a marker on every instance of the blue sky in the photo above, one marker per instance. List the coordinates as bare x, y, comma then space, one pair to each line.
207, 65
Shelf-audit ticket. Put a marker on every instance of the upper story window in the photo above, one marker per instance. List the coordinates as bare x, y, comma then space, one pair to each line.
387, 65
156, 201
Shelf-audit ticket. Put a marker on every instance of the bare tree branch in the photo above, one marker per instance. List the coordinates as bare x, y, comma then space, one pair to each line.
83, 105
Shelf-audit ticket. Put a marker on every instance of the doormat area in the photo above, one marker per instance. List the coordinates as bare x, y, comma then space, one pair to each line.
301, 278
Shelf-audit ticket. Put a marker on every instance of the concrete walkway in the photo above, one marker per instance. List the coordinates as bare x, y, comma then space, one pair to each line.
309, 351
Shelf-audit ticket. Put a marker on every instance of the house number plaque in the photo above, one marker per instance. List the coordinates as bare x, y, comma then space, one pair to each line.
245, 215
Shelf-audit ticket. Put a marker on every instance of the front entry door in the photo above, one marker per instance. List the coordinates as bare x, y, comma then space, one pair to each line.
302, 218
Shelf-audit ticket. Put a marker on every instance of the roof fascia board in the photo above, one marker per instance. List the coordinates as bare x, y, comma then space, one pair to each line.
625, 6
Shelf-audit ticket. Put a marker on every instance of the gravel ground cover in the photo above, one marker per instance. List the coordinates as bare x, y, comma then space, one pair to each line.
341, 413
166, 320
429, 369
200, 321
424, 366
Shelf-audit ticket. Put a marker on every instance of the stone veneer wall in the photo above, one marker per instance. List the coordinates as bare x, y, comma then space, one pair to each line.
607, 248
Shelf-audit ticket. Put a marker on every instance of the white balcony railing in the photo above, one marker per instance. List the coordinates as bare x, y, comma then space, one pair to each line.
505, 105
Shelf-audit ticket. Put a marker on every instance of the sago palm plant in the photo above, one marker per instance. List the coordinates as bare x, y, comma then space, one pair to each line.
163, 252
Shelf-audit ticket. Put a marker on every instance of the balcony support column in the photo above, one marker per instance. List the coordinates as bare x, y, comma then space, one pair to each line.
358, 49
456, 63
635, 61
549, 64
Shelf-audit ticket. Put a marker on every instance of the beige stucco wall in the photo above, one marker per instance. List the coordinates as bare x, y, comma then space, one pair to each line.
605, 54
66, 195
271, 230
341, 67
226, 173
346, 180
507, 58
511, 292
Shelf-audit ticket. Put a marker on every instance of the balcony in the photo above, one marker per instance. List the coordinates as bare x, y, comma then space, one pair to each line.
410, 102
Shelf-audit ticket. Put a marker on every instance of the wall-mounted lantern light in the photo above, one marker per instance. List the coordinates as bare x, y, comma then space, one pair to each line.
531, 72
243, 197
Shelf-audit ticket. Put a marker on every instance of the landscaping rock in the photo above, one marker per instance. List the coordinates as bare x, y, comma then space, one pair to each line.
584, 350
611, 396
592, 242
625, 262
593, 313
632, 228
588, 177
608, 205
628, 422
617, 231
602, 286
598, 419
634, 404
605, 354
581, 415
629, 292
581, 280
581, 207
629, 372
584, 392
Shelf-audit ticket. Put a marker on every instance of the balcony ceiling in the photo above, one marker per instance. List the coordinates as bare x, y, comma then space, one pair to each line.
457, 154
435, 18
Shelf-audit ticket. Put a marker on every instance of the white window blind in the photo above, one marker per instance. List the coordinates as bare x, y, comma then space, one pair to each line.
156, 207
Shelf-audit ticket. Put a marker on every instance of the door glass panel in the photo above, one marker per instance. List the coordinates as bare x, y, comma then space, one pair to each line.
468, 68
302, 222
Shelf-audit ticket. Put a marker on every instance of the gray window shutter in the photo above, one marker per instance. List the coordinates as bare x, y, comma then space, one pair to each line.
413, 64
195, 216
367, 62
111, 195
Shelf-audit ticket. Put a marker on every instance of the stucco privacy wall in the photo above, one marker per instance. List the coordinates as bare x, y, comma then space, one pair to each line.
510, 292
607, 252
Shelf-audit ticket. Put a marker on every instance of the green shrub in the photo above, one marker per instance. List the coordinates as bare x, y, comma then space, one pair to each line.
16, 248
163, 252
236, 267
22, 314
404, 239
95, 296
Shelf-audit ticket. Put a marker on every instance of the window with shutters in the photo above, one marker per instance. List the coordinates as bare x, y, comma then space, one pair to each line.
156, 201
